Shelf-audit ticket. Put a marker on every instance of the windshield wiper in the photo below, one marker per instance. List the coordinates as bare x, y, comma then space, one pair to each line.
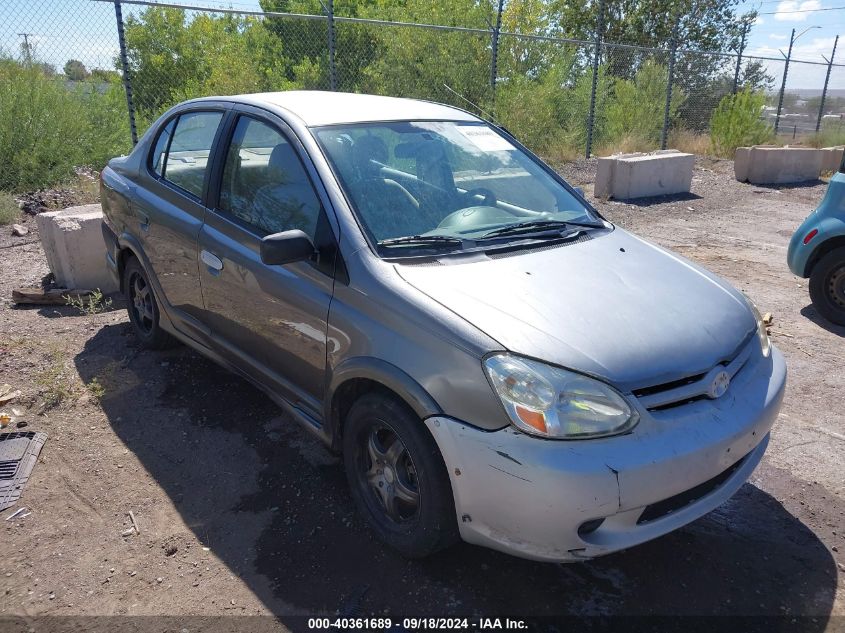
424, 240
532, 225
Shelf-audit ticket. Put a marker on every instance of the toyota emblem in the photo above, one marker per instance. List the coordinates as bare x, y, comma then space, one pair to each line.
719, 386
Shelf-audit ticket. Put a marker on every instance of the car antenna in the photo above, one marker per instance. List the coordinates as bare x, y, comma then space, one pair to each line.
477, 107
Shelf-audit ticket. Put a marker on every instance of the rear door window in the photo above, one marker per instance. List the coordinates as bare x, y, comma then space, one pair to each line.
182, 151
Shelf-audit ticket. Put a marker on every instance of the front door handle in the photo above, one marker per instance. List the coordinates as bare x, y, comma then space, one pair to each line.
214, 263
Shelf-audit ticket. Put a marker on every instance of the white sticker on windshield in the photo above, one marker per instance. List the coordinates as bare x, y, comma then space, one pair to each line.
485, 139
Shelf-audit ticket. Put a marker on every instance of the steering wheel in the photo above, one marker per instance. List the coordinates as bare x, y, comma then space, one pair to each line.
489, 197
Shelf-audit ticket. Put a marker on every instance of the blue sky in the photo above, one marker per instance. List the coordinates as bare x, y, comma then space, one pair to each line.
85, 29
771, 34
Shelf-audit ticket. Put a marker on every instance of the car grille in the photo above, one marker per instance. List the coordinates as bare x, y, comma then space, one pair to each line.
690, 388
673, 504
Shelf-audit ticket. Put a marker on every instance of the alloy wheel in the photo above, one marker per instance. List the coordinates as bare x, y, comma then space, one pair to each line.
388, 473
141, 303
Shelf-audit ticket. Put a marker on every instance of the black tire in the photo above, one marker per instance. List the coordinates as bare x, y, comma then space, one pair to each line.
827, 286
142, 307
413, 466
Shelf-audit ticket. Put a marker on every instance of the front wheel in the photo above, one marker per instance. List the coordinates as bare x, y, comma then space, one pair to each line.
397, 476
827, 286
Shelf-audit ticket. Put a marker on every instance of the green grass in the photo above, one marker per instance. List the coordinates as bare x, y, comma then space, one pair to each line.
828, 136
9, 211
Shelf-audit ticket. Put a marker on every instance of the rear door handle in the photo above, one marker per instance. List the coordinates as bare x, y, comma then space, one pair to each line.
143, 220
214, 263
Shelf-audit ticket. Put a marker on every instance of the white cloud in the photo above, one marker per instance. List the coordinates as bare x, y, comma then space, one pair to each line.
776, 36
795, 11
810, 50
800, 75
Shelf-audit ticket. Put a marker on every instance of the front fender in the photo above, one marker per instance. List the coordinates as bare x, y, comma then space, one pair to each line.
386, 374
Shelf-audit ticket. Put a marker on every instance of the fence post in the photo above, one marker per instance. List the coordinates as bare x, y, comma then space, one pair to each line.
494, 56
826, 81
127, 80
664, 134
332, 71
783, 83
739, 55
591, 119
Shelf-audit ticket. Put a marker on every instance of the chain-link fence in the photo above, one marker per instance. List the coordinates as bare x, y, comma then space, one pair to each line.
107, 63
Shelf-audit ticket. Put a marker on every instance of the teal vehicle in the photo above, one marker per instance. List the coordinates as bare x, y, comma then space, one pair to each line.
817, 251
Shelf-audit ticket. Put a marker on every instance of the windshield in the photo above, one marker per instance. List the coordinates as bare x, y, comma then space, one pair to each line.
459, 180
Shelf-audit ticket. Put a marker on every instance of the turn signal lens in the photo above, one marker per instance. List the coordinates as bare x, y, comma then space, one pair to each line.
810, 235
534, 419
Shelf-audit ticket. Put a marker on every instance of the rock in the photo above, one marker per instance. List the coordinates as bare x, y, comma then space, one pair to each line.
19, 230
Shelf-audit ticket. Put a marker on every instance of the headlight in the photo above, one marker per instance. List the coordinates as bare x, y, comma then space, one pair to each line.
762, 335
556, 403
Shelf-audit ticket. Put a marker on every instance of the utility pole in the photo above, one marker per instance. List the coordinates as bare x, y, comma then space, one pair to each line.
826, 81
596, 59
792, 39
494, 58
27, 51
739, 54
673, 48
127, 76
783, 82
332, 43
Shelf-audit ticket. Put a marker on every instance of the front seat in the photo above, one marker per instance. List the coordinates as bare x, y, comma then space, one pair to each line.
289, 201
388, 208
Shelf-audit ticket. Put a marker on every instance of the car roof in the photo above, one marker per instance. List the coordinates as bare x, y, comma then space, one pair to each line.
318, 107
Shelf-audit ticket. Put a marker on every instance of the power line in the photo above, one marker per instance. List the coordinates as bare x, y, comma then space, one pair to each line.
804, 11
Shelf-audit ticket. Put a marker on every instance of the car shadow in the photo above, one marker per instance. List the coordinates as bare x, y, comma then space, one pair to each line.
653, 200
273, 505
786, 186
810, 313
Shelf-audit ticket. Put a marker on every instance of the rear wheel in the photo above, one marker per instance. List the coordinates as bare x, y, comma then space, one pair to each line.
827, 286
397, 476
143, 308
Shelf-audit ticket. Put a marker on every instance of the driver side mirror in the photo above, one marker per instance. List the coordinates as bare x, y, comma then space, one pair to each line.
286, 247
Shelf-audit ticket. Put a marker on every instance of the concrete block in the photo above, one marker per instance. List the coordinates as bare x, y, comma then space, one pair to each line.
604, 178
778, 165
73, 244
629, 176
831, 158
742, 161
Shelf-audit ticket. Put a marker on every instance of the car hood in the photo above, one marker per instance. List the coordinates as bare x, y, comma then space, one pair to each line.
613, 306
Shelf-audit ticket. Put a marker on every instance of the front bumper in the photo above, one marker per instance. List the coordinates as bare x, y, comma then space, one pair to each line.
529, 497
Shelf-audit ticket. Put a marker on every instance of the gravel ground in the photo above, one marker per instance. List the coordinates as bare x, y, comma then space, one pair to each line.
241, 513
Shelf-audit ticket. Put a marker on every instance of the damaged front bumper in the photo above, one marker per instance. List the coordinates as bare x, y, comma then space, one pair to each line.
555, 500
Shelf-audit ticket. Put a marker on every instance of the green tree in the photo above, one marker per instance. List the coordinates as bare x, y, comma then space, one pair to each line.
736, 122
422, 63
75, 70
306, 41
173, 58
637, 106
709, 25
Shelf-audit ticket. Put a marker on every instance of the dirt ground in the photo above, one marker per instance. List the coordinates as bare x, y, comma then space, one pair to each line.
242, 513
